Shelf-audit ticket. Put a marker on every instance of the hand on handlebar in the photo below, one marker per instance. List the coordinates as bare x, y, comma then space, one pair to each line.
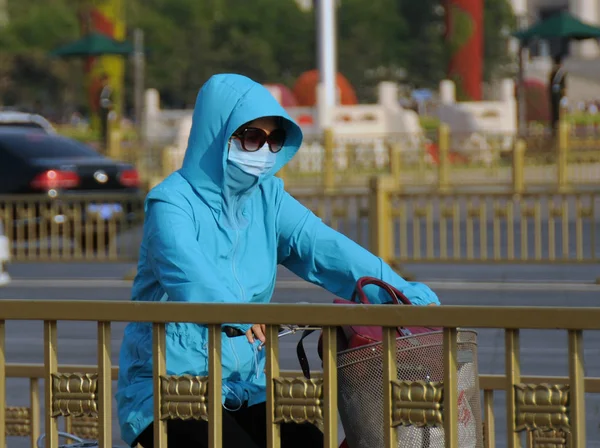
257, 331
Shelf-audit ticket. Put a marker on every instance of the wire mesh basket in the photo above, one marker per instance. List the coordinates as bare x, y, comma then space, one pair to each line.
419, 358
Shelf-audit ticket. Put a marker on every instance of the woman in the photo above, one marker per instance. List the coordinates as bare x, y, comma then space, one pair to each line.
215, 231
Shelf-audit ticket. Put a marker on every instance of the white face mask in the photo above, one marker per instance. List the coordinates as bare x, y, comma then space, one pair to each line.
255, 163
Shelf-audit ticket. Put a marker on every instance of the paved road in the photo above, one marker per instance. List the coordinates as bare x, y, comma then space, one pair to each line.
544, 353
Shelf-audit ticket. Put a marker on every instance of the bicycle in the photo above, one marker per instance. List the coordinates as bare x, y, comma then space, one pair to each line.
78, 442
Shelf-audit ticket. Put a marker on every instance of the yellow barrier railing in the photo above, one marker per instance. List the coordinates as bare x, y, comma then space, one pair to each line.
542, 405
445, 160
93, 227
514, 226
494, 227
435, 158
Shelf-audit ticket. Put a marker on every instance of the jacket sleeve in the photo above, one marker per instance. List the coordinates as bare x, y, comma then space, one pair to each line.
325, 257
176, 258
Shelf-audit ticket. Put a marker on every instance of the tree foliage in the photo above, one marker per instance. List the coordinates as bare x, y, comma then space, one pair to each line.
269, 40
499, 20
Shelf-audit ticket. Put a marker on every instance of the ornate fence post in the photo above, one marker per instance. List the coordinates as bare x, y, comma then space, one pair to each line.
380, 217
518, 168
166, 162
282, 174
328, 162
396, 163
562, 162
444, 152
114, 140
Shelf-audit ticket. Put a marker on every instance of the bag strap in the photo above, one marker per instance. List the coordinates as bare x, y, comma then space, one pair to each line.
396, 295
301, 353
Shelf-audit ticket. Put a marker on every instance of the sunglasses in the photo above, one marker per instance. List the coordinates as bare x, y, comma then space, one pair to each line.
254, 138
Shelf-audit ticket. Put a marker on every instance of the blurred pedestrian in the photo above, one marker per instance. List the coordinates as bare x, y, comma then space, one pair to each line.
105, 106
558, 90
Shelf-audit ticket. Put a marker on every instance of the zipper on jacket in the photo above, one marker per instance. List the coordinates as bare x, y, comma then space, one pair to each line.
235, 246
235, 277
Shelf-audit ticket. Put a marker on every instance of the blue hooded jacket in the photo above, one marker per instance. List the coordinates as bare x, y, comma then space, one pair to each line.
212, 236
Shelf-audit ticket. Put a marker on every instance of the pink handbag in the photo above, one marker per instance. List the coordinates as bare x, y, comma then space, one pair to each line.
356, 335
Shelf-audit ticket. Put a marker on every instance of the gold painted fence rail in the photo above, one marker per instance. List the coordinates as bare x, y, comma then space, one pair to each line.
513, 226
437, 159
91, 227
542, 405
24, 421
442, 160
457, 227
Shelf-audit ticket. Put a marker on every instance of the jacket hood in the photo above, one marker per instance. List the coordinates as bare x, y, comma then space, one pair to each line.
226, 102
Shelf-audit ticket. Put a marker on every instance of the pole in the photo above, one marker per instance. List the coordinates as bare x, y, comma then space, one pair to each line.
138, 62
327, 58
520, 9
143, 158
521, 93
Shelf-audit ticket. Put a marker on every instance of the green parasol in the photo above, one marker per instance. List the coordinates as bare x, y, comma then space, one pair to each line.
94, 44
563, 25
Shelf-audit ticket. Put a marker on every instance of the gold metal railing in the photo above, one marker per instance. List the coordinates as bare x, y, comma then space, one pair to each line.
533, 404
24, 421
443, 160
466, 158
437, 160
484, 227
548, 388
93, 227
348, 213
513, 226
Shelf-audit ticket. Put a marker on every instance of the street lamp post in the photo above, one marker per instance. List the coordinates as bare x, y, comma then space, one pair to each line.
520, 9
138, 82
327, 62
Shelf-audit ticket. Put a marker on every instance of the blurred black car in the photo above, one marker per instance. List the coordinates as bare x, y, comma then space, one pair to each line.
33, 122
52, 186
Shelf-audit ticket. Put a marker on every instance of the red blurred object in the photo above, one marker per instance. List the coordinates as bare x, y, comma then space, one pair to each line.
55, 179
464, 32
305, 89
130, 178
344, 444
537, 101
283, 94
433, 151
305, 120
